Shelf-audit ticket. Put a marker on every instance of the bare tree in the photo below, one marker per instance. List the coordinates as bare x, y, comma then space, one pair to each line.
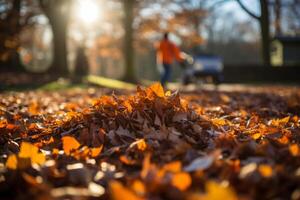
277, 22
264, 23
128, 49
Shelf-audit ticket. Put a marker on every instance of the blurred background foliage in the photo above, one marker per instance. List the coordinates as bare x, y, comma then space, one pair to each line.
119, 36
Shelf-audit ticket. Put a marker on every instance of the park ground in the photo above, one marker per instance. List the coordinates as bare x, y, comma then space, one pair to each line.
89, 142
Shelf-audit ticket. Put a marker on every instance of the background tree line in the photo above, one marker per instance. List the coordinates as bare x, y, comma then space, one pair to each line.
193, 21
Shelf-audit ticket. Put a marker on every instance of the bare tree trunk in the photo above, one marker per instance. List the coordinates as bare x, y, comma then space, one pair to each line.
58, 12
264, 23
277, 9
59, 29
128, 49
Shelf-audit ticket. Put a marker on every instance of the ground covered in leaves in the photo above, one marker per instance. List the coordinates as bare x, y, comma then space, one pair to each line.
150, 144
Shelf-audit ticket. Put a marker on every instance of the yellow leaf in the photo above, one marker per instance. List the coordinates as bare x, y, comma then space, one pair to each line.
69, 144
215, 191
294, 149
219, 122
119, 192
168, 93
55, 151
12, 162
96, 151
181, 181
27, 150
128, 106
265, 170
141, 145
256, 136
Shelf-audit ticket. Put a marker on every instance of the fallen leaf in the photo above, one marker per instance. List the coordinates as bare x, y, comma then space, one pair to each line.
12, 162
157, 89
119, 192
215, 191
265, 170
201, 163
69, 144
294, 149
181, 180
96, 151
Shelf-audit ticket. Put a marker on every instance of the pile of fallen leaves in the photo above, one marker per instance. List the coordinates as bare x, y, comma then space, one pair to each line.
150, 145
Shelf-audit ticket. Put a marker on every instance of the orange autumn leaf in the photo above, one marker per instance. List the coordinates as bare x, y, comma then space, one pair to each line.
124, 159
173, 167
29, 154
33, 108
38, 158
96, 151
138, 187
69, 144
219, 122
139, 144
294, 149
27, 150
157, 89
55, 151
282, 122
119, 192
181, 180
256, 136
146, 165
265, 170
12, 162
128, 106
11, 126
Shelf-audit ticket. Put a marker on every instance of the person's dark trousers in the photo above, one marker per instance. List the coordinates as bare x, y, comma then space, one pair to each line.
166, 74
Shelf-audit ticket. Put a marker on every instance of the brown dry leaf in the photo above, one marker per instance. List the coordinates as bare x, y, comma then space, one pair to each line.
34, 181
69, 144
119, 192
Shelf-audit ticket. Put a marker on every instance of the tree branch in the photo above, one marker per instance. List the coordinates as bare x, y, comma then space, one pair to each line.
247, 10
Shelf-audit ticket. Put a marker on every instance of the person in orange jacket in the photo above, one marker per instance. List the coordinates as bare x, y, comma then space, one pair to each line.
167, 52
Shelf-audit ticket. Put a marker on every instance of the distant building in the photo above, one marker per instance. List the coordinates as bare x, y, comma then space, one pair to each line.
285, 51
